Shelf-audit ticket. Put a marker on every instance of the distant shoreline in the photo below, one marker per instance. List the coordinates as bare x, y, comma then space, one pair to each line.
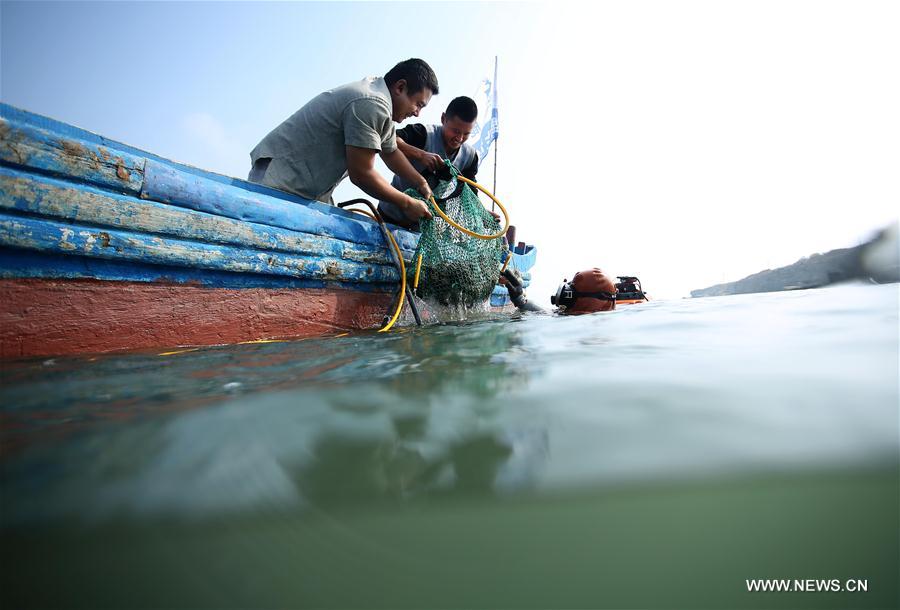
875, 260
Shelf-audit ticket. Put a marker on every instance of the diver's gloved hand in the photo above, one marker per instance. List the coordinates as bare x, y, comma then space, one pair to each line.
517, 291
513, 287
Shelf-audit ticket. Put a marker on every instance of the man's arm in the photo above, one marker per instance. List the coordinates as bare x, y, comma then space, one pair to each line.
431, 161
411, 141
361, 168
400, 165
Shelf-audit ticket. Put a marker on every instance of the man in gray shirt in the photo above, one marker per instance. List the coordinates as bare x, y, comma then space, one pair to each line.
339, 132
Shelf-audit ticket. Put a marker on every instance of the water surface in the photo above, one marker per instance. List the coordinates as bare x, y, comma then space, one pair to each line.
655, 456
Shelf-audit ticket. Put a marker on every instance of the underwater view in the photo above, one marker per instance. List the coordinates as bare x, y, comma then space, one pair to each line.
660, 455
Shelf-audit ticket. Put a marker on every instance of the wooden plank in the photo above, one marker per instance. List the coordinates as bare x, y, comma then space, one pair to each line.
39, 149
22, 264
44, 196
50, 236
170, 185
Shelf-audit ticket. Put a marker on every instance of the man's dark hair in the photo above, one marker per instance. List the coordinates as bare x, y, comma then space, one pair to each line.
417, 74
463, 108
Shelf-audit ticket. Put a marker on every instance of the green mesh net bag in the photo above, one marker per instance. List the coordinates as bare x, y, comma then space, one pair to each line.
457, 269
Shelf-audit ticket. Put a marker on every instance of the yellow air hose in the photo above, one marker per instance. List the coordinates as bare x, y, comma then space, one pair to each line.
402, 267
418, 269
506, 264
402, 282
363, 212
465, 230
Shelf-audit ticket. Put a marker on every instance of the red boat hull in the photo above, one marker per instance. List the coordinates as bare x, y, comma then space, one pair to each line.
41, 317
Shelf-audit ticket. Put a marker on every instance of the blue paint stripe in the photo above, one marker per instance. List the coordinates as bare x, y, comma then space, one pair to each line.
172, 186
56, 199
169, 185
406, 239
44, 151
44, 235
23, 264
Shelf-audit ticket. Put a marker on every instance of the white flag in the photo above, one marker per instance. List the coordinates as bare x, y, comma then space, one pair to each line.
488, 128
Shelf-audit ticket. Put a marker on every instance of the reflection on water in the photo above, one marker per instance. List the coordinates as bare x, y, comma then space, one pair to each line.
655, 456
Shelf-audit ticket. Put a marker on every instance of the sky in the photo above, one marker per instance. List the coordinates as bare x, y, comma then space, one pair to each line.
688, 143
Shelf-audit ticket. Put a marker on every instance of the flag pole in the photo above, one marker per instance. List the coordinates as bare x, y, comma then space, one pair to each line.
496, 148
497, 139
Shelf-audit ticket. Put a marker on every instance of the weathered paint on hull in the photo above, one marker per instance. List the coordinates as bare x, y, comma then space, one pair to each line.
40, 317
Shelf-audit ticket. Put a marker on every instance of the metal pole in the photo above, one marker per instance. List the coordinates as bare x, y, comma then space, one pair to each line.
496, 147
497, 139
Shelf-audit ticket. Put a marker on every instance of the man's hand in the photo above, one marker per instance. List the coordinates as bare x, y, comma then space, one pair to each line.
416, 209
431, 161
361, 167
424, 189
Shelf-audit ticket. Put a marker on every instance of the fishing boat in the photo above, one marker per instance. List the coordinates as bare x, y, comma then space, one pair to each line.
105, 247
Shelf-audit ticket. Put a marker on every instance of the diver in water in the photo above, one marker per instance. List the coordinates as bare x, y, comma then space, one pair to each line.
589, 291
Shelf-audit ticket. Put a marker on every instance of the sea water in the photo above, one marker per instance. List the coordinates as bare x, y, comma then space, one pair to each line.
656, 456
